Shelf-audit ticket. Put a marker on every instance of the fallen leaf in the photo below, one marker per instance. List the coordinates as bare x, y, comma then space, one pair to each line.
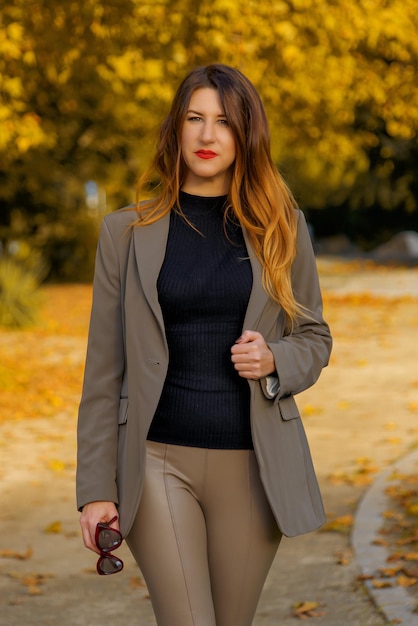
32, 582
395, 556
54, 528
396, 475
341, 524
391, 514
20, 556
136, 581
411, 573
381, 584
304, 610
406, 581
360, 475
343, 557
310, 409
412, 509
394, 441
343, 405
389, 572
380, 542
56, 465
362, 362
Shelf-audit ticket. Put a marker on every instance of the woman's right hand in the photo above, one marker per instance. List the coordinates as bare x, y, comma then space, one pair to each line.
91, 515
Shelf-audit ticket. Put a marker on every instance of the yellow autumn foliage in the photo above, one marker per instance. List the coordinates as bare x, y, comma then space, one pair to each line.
333, 76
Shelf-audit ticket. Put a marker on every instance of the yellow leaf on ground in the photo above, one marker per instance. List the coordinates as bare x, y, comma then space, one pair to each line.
307, 609
20, 556
137, 581
343, 557
381, 584
55, 528
389, 572
412, 509
395, 556
310, 409
343, 405
380, 542
56, 466
341, 524
362, 362
406, 581
390, 514
395, 441
33, 582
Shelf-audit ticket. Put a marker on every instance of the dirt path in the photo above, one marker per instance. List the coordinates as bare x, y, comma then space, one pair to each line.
361, 416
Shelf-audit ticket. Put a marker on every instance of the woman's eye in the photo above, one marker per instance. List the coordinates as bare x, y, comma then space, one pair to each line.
223, 122
194, 118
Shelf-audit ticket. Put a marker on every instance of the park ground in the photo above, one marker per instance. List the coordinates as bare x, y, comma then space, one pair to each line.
360, 417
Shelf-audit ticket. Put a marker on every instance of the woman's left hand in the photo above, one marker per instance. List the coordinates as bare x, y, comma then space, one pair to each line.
251, 356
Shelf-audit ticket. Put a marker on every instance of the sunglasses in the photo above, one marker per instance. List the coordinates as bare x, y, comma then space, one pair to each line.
108, 539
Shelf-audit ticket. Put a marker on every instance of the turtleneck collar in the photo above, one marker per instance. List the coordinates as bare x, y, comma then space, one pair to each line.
190, 203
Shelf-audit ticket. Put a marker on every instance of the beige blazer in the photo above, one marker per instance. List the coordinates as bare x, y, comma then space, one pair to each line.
126, 365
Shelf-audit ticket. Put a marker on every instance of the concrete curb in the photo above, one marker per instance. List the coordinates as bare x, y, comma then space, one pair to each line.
394, 602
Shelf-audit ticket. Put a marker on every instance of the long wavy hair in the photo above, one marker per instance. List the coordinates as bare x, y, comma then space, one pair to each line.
259, 197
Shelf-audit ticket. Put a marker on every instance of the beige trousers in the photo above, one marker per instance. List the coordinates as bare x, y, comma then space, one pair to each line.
204, 536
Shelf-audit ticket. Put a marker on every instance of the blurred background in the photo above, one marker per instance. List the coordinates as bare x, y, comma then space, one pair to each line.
85, 84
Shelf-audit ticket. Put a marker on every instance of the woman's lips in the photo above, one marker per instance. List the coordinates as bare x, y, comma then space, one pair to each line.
205, 154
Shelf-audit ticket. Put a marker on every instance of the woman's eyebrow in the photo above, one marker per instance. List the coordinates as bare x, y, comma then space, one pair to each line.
201, 114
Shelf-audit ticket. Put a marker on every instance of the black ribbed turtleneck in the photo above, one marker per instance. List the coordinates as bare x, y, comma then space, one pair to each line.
203, 287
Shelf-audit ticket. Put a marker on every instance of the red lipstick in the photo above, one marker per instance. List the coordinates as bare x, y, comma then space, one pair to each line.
205, 154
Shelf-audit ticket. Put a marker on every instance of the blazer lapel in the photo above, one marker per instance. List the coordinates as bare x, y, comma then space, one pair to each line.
258, 296
150, 244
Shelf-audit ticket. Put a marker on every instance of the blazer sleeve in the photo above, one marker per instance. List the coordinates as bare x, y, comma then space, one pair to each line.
300, 355
97, 431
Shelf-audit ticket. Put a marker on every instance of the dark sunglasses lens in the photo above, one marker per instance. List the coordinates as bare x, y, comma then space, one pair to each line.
109, 565
108, 539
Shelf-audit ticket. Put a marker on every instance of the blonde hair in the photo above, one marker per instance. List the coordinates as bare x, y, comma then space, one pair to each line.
259, 198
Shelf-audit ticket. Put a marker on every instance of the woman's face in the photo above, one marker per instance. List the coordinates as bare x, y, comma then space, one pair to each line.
207, 145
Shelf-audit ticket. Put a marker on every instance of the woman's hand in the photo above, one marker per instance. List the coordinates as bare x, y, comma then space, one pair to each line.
251, 356
91, 515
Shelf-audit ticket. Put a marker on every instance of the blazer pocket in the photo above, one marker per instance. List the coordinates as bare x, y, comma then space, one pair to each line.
123, 411
288, 408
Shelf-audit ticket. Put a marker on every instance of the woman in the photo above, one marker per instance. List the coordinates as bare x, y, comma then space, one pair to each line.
206, 320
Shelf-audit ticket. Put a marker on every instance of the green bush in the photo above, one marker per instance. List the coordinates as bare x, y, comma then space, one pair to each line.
68, 248
55, 250
19, 294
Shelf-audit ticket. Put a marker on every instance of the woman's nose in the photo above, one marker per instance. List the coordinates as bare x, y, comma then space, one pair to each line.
208, 132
